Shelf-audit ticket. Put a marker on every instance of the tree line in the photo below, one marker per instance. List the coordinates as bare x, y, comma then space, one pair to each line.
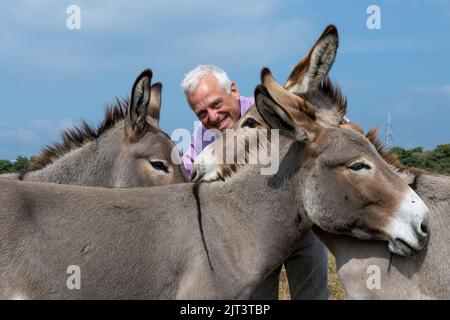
436, 160
20, 164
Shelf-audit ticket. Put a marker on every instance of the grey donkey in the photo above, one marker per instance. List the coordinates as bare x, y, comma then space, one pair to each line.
128, 149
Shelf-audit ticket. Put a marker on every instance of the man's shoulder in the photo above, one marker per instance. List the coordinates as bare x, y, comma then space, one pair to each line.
247, 100
246, 103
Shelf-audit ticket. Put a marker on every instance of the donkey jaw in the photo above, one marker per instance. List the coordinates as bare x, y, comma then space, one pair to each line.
408, 232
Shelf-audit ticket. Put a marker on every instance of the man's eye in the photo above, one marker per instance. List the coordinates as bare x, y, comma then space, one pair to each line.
201, 115
359, 166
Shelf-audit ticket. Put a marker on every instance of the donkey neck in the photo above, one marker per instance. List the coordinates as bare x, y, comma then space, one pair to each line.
89, 165
252, 222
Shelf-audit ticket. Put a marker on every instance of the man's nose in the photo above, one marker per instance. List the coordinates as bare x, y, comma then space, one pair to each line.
213, 117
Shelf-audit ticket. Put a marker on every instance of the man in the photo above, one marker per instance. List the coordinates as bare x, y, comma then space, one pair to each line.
217, 103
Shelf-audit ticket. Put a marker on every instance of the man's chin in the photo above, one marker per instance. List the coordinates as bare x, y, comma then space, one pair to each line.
226, 124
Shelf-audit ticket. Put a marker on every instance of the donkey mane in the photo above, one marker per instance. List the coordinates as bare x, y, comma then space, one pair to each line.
80, 134
386, 154
334, 92
391, 158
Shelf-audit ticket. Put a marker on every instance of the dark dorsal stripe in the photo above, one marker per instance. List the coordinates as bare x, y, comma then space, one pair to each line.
195, 191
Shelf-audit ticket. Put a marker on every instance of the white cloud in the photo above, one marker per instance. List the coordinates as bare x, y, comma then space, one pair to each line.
432, 90
37, 131
117, 34
63, 124
9, 133
446, 89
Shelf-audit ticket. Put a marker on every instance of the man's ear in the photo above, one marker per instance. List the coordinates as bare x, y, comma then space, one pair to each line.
276, 116
235, 90
154, 107
136, 120
314, 67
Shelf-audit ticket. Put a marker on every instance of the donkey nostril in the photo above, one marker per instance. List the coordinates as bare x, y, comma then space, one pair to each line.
193, 175
424, 227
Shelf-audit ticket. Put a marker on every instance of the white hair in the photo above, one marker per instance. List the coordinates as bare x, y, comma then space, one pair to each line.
193, 77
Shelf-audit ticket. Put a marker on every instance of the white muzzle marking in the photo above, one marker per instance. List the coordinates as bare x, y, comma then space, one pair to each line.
408, 232
205, 166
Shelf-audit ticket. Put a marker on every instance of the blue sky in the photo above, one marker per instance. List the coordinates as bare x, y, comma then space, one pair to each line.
52, 77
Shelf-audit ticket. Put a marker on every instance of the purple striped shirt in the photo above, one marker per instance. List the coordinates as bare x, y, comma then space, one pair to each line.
199, 141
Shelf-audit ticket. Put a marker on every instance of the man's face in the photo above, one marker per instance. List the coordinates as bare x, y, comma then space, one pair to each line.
214, 107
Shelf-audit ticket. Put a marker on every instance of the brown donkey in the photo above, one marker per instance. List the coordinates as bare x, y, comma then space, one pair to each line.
127, 150
368, 176
366, 268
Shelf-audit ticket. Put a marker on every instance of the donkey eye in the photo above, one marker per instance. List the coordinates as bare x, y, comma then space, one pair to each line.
251, 123
359, 166
159, 165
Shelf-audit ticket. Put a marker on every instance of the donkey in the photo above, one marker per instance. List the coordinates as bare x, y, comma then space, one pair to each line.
426, 274
368, 271
128, 149
134, 243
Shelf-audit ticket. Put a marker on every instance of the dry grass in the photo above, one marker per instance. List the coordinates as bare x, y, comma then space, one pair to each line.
337, 292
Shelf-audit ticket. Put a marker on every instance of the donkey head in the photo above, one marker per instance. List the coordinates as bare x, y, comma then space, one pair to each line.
344, 184
348, 188
146, 151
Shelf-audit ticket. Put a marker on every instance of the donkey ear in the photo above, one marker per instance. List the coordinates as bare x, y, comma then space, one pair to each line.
313, 69
276, 116
155, 104
136, 121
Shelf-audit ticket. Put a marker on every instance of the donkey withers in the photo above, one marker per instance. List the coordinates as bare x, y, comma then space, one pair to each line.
127, 150
134, 243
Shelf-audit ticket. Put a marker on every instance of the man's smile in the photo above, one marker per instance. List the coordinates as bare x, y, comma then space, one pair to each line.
223, 124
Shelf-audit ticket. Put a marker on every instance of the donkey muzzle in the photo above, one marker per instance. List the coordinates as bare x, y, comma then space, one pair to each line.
408, 231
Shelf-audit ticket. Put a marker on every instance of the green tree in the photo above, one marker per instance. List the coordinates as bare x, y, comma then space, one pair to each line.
411, 158
6, 166
436, 160
21, 163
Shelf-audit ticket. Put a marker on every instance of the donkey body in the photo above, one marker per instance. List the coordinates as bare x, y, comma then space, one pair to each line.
134, 243
127, 150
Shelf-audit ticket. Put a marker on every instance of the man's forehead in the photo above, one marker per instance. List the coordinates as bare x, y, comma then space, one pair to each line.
208, 85
207, 91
